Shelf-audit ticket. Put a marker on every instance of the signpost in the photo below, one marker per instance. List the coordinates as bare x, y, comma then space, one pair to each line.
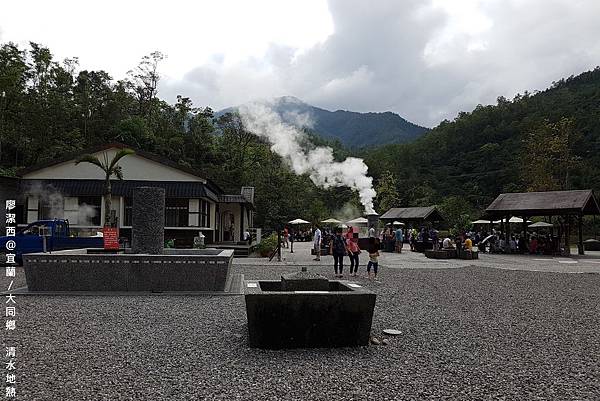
111, 238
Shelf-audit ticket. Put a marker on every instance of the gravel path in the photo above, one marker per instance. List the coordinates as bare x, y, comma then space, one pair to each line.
468, 333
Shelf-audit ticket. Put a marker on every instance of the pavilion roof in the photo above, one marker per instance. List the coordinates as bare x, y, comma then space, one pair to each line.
412, 213
545, 203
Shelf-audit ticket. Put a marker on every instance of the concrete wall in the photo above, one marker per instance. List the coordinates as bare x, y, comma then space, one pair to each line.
76, 270
134, 168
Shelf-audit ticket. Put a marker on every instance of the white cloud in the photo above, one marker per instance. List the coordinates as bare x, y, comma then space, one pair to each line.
426, 60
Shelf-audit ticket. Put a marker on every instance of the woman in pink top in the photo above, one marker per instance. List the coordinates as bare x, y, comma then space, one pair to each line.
353, 252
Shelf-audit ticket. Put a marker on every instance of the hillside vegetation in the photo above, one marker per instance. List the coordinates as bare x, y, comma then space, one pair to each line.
549, 140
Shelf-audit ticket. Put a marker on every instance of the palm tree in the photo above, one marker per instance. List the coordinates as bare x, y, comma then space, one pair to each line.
110, 168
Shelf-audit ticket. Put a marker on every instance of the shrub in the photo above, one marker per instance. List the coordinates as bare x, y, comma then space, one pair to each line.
267, 245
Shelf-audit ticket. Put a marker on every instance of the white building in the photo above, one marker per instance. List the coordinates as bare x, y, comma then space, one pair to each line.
193, 204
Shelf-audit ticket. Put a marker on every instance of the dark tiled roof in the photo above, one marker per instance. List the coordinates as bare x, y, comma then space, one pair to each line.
173, 189
412, 213
545, 203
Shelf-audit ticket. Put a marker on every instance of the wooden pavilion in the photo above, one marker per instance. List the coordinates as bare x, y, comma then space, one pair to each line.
414, 216
567, 204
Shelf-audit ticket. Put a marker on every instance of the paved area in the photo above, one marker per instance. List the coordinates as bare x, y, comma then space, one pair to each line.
506, 327
589, 263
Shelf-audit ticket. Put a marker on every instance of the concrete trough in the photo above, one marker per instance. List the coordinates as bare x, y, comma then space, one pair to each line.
338, 317
87, 270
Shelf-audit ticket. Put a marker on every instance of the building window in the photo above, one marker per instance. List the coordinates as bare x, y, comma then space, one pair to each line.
176, 212
199, 213
88, 213
52, 208
128, 210
204, 213
33, 213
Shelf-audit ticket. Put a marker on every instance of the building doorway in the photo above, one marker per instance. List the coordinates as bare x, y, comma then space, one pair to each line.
228, 226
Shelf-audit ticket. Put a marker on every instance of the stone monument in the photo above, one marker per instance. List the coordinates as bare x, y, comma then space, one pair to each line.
148, 223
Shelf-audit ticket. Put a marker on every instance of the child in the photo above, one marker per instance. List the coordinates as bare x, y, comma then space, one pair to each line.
373, 257
353, 252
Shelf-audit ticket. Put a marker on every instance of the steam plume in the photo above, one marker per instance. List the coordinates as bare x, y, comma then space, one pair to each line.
318, 163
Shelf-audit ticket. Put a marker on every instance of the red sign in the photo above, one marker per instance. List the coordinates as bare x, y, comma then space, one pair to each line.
111, 237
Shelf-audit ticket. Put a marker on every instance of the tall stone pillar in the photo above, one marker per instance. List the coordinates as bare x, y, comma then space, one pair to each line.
148, 223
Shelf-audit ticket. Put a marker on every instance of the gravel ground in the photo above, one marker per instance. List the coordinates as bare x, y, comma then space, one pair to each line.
468, 333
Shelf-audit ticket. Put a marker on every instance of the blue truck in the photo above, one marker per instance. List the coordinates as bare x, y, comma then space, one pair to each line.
46, 236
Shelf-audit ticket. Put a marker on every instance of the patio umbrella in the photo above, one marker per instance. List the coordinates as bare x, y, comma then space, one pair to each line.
511, 220
540, 224
299, 221
359, 220
398, 223
331, 221
481, 222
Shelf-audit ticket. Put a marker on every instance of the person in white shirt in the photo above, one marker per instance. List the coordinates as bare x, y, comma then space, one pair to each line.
317, 243
372, 232
447, 243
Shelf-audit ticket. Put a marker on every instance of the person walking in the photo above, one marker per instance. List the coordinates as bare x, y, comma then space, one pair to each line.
317, 244
286, 235
373, 257
435, 241
413, 239
399, 239
338, 249
353, 252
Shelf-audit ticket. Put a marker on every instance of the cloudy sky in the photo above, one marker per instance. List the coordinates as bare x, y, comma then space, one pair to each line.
425, 60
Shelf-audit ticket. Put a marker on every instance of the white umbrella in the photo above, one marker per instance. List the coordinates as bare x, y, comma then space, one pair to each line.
331, 221
541, 224
299, 221
481, 222
398, 223
511, 220
517, 220
359, 220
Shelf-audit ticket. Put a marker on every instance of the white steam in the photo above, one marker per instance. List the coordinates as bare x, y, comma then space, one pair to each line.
53, 205
318, 163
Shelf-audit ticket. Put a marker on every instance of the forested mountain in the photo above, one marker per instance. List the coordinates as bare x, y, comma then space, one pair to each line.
50, 108
353, 129
542, 141
549, 140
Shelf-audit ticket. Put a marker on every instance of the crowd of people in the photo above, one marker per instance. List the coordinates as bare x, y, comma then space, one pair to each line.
523, 243
342, 243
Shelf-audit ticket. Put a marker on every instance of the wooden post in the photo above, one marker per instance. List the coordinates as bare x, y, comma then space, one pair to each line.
507, 235
568, 236
580, 235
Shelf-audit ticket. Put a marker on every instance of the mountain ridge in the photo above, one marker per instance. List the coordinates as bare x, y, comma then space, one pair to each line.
353, 129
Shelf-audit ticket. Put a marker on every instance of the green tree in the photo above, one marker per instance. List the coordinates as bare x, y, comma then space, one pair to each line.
110, 168
387, 192
143, 83
457, 212
548, 159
